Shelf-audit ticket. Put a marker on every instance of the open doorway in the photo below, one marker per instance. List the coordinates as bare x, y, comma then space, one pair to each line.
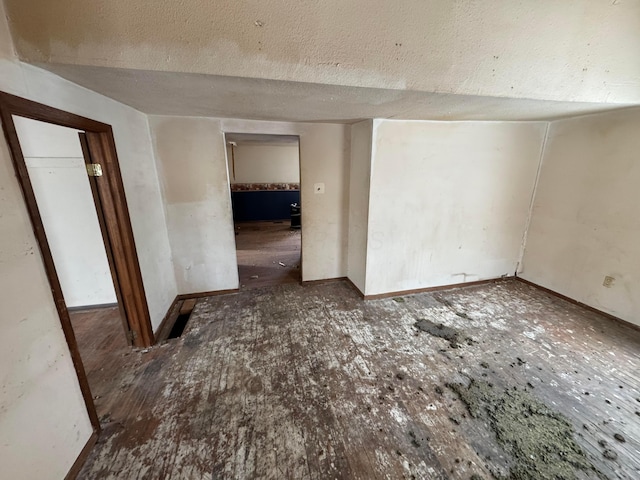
50, 172
264, 178
56, 162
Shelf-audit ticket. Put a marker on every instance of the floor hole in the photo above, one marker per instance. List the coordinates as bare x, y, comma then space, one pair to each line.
180, 325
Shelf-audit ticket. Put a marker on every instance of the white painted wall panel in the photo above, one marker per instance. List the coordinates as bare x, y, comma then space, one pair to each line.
586, 217
193, 168
265, 163
449, 201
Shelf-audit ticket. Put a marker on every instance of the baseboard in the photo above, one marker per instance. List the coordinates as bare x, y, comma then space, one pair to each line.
355, 287
164, 329
82, 458
433, 289
580, 304
92, 307
186, 296
323, 281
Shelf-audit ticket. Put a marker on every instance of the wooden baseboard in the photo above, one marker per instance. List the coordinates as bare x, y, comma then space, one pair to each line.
92, 307
186, 296
163, 331
580, 304
322, 281
434, 289
82, 458
355, 287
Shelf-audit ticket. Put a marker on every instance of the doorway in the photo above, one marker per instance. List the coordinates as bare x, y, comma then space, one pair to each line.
67, 168
264, 179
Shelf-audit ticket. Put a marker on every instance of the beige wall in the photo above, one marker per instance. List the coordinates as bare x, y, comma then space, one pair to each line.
193, 168
324, 158
449, 201
59, 179
579, 51
43, 420
585, 222
265, 163
359, 192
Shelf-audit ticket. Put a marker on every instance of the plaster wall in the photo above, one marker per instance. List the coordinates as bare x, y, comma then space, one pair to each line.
449, 201
267, 163
193, 169
585, 223
573, 51
43, 421
359, 191
59, 179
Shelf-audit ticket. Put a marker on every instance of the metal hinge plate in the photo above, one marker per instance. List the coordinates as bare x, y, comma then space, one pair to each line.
94, 169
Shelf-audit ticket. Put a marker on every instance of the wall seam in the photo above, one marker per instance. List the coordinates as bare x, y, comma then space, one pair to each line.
372, 151
525, 235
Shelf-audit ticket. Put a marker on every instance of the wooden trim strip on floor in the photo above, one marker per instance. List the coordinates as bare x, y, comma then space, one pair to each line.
92, 307
322, 281
82, 457
433, 289
580, 304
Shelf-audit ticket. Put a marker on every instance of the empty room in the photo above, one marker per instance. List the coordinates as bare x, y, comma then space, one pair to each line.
309, 240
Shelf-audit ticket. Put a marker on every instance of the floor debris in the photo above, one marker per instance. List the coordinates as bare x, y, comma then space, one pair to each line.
539, 440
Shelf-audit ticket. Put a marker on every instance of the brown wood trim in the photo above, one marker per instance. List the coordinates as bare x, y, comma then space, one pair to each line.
186, 296
355, 287
84, 308
134, 299
8, 107
434, 289
82, 458
322, 281
118, 224
86, 152
624, 323
164, 329
44, 113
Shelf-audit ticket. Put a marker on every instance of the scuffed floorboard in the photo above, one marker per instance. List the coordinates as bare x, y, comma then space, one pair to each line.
311, 382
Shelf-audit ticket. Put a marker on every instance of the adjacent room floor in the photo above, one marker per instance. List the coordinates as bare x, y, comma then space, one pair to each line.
310, 381
268, 253
102, 344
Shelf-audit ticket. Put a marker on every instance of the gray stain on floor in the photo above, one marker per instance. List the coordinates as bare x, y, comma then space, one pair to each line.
312, 382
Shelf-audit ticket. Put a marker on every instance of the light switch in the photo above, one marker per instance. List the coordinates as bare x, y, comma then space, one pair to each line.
318, 188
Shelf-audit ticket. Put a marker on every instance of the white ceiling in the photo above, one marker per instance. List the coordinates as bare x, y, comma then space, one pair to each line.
186, 94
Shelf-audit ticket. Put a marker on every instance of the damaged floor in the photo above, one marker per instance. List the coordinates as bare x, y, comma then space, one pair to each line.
312, 382
268, 253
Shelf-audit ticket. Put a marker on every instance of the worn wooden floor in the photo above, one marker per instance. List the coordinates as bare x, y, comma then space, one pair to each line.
294, 382
262, 248
102, 344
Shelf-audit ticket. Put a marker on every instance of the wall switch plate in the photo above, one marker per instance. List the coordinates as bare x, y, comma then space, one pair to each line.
608, 282
318, 188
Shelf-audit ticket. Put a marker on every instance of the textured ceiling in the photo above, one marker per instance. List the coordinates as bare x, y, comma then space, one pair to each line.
165, 93
578, 50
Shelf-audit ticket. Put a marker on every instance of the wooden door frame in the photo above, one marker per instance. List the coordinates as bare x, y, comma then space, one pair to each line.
113, 214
